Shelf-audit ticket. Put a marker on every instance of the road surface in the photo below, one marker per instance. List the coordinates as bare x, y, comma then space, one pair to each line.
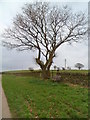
0, 99
4, 108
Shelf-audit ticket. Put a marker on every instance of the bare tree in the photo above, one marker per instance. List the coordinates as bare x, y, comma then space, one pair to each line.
31, 69
79, 65
45, 28
55, 67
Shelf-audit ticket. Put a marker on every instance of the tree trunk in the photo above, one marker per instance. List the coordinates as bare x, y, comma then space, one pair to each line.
45, 67
45, 74
79, 68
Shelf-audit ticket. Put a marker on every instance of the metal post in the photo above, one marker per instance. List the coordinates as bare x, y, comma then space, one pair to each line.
65, 63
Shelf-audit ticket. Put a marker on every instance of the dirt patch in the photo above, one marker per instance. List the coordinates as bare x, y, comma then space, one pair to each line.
75, 85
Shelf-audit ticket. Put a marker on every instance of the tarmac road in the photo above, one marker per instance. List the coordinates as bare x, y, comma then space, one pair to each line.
4, 108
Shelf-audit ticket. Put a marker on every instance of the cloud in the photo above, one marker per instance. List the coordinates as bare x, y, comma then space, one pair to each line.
73, 54
23, 60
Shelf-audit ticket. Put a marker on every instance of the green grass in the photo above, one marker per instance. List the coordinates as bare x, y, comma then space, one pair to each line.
30, 97
19, 71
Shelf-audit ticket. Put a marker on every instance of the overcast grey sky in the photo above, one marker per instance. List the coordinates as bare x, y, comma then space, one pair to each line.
77, 52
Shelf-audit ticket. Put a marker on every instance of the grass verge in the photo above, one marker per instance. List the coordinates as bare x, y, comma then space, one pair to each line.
31, 97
